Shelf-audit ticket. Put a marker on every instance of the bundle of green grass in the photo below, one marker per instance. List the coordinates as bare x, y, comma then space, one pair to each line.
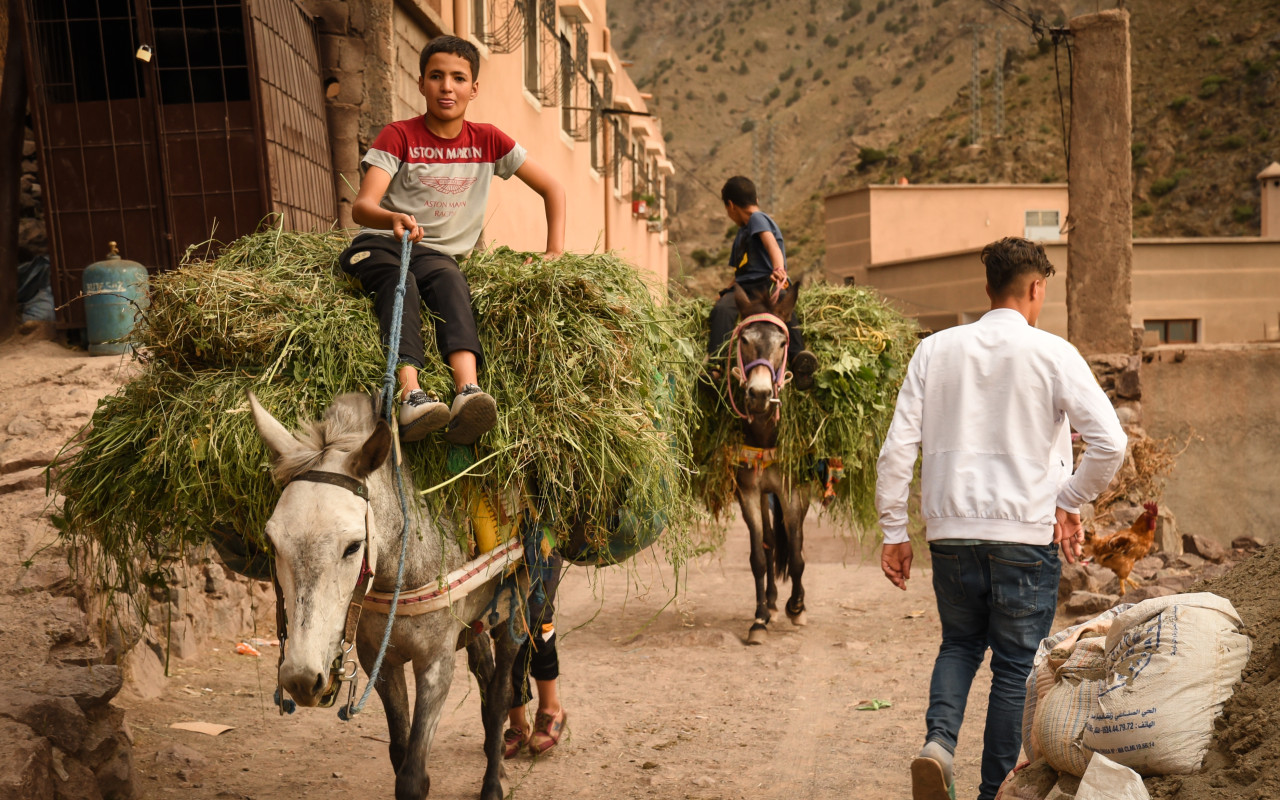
863, 346
582, 361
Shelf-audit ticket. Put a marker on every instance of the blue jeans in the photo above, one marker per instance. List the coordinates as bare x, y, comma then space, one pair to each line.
997, 596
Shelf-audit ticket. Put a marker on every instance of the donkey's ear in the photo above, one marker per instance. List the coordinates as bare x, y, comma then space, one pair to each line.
742, 298
372, 453
276, 436
787, 303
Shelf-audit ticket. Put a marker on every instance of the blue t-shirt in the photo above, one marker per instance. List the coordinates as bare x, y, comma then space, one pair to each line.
749, 259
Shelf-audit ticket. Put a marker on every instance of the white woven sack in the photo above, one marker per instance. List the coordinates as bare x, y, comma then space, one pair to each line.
1107, 780
1040, 679
1067, 707
1172, 662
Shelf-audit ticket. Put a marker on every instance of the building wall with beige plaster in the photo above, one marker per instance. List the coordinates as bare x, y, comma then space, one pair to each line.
370, 52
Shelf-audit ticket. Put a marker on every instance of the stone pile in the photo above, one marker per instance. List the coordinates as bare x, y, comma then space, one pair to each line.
62, 738
1087, 589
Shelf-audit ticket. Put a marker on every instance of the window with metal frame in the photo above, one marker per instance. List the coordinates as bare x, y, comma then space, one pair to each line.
1174, 331
532, 49
1042, 226
593, 127
568, 82
499, 25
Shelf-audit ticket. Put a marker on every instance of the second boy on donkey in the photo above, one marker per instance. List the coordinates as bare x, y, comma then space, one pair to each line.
429, 176
759, 261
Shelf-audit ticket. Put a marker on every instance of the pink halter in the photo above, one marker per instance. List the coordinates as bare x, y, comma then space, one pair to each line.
779, 374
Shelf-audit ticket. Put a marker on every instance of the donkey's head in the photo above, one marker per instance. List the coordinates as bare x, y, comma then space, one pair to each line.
319, 530
762, 344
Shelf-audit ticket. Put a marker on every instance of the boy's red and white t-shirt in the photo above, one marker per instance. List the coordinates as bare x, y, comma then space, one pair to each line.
443, 183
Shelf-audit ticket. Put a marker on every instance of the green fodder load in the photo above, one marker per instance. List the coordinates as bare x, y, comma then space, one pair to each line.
581, 360
863, 346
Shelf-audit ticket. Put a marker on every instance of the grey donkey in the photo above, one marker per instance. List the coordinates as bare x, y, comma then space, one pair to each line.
318, 534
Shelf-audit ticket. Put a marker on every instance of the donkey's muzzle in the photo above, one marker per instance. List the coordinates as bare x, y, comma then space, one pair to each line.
307, 687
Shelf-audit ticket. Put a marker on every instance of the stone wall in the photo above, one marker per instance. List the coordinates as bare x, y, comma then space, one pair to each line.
1225, 484
204, 605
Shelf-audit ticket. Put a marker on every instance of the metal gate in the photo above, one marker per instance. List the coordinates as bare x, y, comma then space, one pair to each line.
193, 144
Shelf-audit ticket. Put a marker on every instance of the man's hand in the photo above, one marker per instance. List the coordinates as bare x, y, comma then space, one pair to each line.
895, 560
1069, 533
406, 222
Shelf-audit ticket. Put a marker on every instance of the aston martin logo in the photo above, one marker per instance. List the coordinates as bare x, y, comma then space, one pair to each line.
445, 185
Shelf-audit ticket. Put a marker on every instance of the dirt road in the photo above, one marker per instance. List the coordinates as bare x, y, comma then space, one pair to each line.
664, 699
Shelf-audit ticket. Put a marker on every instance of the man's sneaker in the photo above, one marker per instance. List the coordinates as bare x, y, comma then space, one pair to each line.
931, 777
420, 414
803, 365
473, 413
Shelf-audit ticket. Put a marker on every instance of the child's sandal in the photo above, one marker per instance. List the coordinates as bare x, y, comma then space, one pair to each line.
546, 731
513, 741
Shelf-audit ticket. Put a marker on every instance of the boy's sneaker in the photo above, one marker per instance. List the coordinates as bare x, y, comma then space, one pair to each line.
473, 413
803, 365
420, 414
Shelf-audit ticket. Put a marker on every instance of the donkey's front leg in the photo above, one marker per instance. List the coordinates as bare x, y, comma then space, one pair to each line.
494, 679
793, 517
494, 707
431, 683
749, 501
394, 693
767, 516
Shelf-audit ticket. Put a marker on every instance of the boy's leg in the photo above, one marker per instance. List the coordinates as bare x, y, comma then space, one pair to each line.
724, 316
374, 261
447, 295
802, 362
517, 734
544, 664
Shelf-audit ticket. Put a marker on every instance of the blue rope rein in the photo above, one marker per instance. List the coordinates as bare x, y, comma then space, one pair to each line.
389, 406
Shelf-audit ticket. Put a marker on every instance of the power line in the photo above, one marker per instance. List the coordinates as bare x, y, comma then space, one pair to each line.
687, 170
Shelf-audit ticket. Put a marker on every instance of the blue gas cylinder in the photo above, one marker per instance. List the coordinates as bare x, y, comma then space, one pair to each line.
115, 294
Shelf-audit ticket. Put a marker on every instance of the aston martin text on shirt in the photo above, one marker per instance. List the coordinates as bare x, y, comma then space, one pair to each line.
443, 183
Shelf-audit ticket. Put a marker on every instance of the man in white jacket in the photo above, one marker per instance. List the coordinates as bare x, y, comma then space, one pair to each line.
991, 405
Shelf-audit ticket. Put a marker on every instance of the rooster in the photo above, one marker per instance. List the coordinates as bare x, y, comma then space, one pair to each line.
1120, 550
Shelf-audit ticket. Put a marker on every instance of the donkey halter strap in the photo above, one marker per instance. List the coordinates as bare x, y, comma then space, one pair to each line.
742, 371
363, 582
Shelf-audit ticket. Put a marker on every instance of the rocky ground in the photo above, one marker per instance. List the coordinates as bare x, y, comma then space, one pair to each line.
1088, 588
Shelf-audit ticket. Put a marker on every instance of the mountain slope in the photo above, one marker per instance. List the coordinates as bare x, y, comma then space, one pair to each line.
853, 91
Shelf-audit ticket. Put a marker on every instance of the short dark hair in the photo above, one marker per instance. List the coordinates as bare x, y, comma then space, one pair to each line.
1011, 257
740, 191
454, 47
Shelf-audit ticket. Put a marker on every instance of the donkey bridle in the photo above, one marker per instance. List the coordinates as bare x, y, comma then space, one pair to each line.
338, 673
742, 371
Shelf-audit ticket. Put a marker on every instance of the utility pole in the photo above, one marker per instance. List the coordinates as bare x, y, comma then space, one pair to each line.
755, 154
1100, 186
773, 169
975, 82
999, 134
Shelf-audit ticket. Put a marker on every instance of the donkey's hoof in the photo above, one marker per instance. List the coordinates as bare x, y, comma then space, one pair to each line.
799, 619
757, 634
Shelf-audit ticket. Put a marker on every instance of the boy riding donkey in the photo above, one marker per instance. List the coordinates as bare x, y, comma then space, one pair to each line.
438, 166
759, 261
